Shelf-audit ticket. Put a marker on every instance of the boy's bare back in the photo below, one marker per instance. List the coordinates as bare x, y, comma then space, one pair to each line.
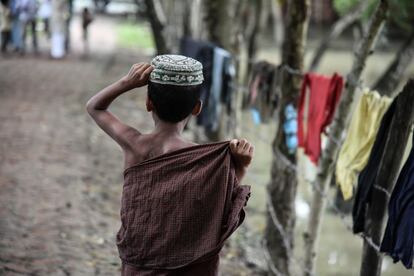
148, 146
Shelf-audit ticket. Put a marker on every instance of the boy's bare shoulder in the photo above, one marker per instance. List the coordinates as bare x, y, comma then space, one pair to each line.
148, 146
139, 150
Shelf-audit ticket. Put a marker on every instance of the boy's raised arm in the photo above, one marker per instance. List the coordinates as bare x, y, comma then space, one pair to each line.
97, 106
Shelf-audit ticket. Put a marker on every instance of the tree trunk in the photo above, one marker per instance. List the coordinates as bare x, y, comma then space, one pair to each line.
337, 29
252, 44
339, 124
192, 19
277, 19
389, 81
156, 17
399, 132
283, 184
220, 17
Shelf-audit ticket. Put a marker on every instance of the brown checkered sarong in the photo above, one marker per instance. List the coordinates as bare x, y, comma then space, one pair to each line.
179, 208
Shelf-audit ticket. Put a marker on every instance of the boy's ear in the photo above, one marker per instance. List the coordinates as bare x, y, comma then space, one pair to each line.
149, 105
197, 108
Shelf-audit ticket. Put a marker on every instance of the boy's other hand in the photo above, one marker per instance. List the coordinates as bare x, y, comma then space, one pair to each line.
242, 152
138, 75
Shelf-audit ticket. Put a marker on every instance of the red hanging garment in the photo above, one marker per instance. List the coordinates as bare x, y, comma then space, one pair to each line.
324, 94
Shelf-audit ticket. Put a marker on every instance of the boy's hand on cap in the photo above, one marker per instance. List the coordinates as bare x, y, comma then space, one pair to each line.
138, 75
242, 152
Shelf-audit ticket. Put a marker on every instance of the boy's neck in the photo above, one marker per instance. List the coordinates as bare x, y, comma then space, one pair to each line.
175, 129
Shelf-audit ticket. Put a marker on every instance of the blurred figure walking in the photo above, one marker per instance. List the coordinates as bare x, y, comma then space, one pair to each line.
58, 28
45, 11
5, 25
86, 20
16, 32
68, 19
27, 11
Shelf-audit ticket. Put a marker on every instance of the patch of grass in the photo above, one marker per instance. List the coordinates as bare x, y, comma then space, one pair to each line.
134, 35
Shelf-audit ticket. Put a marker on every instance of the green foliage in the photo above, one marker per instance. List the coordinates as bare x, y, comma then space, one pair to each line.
344, 6
134, 35
402, 14
401, 11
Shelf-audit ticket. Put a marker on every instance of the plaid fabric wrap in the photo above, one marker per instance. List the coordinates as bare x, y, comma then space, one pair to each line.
179, 208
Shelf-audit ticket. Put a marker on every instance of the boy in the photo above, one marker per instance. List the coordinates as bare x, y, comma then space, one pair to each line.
180, 201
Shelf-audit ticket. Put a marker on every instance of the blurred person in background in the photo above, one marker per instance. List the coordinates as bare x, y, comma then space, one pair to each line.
45, 11
58, 28
16, 33
86, 20
5, 24
68, 19
27, 12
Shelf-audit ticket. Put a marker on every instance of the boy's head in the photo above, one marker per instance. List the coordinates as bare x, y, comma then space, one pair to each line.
174, 87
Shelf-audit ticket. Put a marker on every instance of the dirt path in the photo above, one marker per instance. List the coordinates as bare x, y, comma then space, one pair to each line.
60, 176
58, 212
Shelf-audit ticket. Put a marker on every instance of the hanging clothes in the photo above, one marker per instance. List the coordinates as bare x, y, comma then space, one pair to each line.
324, 94
290, 128
398, 239
262, 90
228, 87
221, 87
218, 86
367, 177
203, 51
359, 140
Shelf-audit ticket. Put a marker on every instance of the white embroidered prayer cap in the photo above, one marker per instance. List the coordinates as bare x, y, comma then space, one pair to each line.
176, 70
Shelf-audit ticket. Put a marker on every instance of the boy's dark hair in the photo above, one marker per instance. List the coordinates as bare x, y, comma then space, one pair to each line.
173, 103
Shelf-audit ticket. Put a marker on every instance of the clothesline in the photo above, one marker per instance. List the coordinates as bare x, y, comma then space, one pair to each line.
286, 242
293, 71
284, 66
317, 188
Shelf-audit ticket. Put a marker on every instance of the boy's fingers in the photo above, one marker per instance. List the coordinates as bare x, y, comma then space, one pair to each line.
240, 146
142, 69
233, 144
251, 150
136, 65
147, 71
243, 145
135, 69
246, 151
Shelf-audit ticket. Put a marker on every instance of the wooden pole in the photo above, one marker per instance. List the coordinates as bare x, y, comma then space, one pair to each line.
283, 184
339, 124
398, 134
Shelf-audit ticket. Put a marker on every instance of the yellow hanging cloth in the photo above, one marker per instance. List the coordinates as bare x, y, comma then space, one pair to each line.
359, 140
